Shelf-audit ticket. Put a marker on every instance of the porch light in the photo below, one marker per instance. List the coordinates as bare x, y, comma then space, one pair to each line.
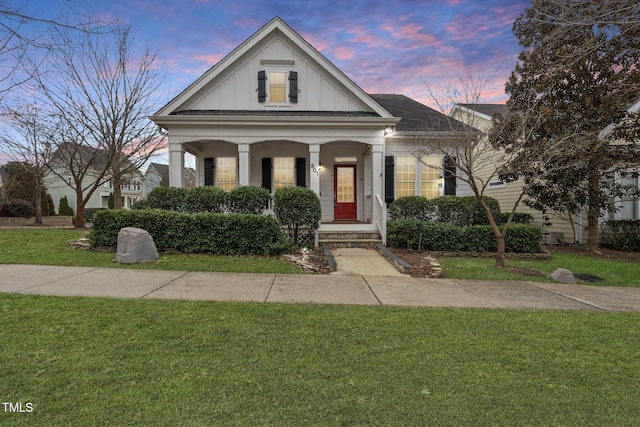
388, 131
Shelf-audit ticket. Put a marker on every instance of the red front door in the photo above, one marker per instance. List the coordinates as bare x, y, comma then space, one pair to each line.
344, 192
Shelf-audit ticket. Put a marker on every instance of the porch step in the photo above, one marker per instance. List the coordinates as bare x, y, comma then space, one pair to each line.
342, 239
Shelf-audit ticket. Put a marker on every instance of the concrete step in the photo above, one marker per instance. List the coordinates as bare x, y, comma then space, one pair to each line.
348, 235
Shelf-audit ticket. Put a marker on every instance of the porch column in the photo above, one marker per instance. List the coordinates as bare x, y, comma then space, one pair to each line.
176, 165
314, 168
377, 158
244, 164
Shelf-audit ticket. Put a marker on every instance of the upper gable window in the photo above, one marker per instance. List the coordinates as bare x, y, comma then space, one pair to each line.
272, 83
277, 86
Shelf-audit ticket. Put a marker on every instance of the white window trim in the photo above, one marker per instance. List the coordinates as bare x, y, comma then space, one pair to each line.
495, 184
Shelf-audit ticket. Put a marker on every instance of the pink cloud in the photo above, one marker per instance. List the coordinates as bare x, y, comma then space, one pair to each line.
344, 53
210, 59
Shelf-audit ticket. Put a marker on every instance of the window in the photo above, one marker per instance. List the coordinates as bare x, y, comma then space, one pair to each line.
136, 185
277, 86
405, 176
430, 178
283, 172
226, 173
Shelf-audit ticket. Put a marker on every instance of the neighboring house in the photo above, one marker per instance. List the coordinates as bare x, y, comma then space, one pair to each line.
158, 174
59, 183
480, 116
275, 113
626, 207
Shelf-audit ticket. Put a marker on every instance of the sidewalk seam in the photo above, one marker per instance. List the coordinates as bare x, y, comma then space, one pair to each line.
165, 285
581, 301
474, 294
57, 280
266, 299
371, 290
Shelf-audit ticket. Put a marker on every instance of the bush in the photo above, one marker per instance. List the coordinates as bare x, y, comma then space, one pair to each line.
63, 207
90, 212
167, 198
453, 210
19, 208
298, 210
412, 207
231, 234
518, 218
622, 235
477, 215
203, 199
247, 200
435, 236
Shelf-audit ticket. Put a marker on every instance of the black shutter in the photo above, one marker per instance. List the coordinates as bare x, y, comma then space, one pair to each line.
266, 173
449, 177
389, 179
301, 172
208, 171
262, 86
293, 86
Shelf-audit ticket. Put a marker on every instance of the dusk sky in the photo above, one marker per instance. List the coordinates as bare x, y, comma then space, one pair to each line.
395, 46
392, 46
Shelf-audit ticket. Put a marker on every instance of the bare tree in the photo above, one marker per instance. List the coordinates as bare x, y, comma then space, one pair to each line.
30, 145
23, 34
103, 94
478, 160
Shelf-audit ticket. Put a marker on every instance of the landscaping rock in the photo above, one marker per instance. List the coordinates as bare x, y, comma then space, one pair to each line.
563, 275
135, 245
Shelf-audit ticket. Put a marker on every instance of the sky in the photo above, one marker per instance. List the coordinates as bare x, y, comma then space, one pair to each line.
410, 47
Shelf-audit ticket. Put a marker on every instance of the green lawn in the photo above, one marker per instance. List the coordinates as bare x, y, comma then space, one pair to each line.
82, 361
48, 246
615, 273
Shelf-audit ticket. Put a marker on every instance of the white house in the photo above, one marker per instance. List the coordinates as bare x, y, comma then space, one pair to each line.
59, 181
275, 112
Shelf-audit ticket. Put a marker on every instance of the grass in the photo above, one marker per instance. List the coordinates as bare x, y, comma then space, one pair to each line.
83, 361
615, 273
48, 246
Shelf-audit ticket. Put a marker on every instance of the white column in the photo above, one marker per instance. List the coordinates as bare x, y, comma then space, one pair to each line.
314, 168
244, 164
377, 158
176, 165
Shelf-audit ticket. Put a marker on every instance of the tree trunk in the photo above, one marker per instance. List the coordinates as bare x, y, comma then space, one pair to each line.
593, 212
117, 191
500, 253
38, 204
79, 209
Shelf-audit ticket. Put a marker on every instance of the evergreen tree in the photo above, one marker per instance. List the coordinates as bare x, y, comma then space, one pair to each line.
581, 79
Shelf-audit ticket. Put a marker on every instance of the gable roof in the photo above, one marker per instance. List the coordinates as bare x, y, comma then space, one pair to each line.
276, 25
417, 117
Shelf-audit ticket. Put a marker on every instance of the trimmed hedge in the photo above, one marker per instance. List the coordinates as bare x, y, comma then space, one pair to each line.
622, 235
229, 234
460, 211
202, 199
247, 200
434, 236
518, 218
167, 198
90, 212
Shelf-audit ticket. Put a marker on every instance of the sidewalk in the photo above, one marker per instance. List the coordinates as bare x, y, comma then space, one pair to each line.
323, 289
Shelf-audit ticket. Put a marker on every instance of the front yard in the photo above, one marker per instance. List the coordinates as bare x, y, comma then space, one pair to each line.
82, 361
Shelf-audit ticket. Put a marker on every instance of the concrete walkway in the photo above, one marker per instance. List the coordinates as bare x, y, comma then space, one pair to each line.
326, 289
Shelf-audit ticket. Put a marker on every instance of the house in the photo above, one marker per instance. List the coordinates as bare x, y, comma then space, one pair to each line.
555, 229
275, 112
158, 174
60, 183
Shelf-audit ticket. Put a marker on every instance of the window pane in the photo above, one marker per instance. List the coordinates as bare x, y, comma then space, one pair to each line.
283, 172
430, 178
345, 185
277, 86
226, 172
405, 176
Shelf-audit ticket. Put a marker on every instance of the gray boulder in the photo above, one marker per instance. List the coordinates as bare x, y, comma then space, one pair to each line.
135, 245
563, 275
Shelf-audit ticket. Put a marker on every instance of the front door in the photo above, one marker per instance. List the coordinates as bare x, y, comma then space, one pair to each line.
344, 192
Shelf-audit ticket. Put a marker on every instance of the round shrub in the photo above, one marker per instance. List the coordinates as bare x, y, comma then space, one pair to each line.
19, 208
477, 215
452, 210
247, 200
412, 207
298, 210
167, 198
518, 218
622, 235
204, 199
